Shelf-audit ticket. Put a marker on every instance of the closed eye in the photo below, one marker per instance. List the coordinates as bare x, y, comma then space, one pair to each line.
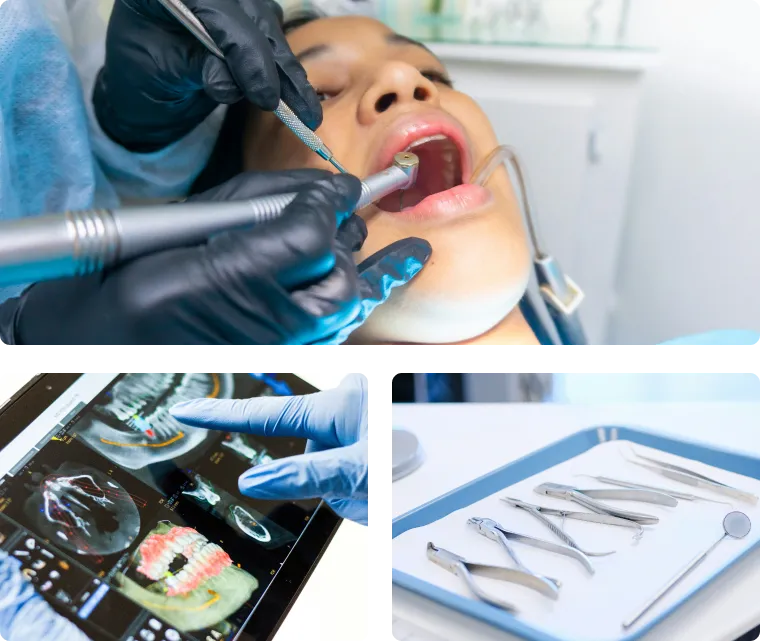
437, 77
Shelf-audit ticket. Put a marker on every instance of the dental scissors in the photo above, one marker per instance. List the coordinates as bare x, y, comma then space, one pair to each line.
586, 498
191, 22
461, 567
539, 511
689, 477
492, 530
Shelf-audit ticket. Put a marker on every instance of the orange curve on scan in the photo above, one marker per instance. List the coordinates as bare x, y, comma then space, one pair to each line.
214, 393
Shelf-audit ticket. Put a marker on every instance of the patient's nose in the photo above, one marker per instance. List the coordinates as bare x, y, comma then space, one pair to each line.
396, 84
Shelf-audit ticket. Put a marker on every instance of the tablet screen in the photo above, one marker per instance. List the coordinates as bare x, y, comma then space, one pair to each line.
132, 525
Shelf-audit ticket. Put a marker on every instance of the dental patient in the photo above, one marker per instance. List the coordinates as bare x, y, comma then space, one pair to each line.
381, 94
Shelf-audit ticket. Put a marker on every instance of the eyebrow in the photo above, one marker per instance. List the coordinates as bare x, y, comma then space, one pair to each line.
392, 38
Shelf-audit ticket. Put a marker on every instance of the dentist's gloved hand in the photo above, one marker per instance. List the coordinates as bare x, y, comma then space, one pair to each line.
158, 82
334, 466
24, 614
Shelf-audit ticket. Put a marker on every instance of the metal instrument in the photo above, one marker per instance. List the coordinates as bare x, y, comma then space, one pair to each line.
689, 477
465, 569
586, 498
538, 512
190, 21
493, 531
77, 243
736, 525
681, 496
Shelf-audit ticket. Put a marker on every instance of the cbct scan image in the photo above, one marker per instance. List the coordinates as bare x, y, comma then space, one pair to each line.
130, 423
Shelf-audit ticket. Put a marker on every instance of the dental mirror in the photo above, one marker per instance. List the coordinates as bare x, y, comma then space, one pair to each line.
736, 525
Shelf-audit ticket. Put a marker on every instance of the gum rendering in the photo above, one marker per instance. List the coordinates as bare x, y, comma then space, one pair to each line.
206, 589
83, 510
134, 427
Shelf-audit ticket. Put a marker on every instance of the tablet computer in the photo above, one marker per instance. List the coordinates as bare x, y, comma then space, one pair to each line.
131, 524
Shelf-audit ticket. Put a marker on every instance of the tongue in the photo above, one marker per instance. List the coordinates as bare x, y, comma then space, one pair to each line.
439, 170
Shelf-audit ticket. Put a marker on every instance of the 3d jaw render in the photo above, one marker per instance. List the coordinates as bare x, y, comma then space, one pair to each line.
133, 427
83, 510
181, 576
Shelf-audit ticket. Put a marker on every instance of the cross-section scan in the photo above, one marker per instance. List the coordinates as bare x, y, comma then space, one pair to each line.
130, 423
83, 510
240, 517
192, 583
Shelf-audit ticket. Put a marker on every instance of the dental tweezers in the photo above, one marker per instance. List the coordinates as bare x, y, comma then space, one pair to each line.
681, 496
191, 22
465, 569
539, 511
689, 477
492, 530
586, 498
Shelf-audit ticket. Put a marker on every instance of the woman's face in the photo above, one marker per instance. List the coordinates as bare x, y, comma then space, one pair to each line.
382, 94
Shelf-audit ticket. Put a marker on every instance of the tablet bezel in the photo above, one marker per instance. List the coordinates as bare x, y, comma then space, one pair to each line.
43, 390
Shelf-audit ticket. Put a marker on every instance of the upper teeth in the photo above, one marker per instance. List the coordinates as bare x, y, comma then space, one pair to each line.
422, 141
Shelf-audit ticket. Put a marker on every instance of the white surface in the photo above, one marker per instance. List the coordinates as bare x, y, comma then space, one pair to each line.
548, 56
689, 250
574, 128
338, 586
589, 607
465, 441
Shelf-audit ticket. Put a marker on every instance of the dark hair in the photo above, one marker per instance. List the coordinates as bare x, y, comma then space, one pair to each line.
226, 160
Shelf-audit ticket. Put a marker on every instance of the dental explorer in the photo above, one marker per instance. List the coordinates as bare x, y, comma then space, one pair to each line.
77, 243
189, 20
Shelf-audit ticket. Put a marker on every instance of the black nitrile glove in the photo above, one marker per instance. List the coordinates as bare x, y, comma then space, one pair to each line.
158, 82
292, 280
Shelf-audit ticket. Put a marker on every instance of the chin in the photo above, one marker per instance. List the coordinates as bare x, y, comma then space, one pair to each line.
410, 316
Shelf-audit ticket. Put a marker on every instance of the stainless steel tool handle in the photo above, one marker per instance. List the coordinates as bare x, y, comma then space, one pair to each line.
84, 242
669, 586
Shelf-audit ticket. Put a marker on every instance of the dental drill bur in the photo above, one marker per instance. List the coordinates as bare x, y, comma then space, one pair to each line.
76, 243
189, 20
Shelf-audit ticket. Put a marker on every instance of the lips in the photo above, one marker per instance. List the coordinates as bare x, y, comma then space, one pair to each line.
445, 165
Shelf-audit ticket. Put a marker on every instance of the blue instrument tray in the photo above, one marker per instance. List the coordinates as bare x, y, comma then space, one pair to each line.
536, 463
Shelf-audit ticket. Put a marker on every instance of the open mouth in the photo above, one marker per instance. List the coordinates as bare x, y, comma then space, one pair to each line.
445, 163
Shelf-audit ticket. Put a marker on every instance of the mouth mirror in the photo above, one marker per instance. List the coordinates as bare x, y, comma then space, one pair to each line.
737, 525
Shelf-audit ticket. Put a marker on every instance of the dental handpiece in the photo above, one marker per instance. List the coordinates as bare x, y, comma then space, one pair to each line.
190, 21
76, 243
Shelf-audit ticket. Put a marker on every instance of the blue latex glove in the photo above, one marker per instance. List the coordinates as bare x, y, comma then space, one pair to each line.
24, 614
334, 466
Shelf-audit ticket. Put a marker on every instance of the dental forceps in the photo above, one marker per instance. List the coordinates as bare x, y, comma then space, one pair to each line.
681, 496
465, 569
586, 498
190, 21
689, 477
538, 512
492, 530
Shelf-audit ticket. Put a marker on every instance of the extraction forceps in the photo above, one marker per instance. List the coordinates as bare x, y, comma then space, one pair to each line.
539, 511
587, 498
689, 477
191, 22
492, 530
681, 496
465, 569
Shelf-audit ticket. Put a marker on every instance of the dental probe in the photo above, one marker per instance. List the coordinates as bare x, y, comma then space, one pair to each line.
76, 243
190, 21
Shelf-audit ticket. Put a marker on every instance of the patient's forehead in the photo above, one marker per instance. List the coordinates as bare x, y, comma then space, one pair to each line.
343, 29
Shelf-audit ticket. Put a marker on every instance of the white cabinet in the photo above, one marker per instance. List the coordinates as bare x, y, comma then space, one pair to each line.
571, 115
